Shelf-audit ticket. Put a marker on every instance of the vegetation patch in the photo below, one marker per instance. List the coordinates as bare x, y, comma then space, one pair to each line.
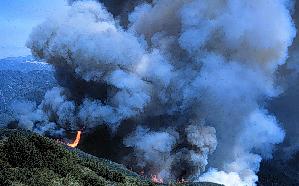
29, 159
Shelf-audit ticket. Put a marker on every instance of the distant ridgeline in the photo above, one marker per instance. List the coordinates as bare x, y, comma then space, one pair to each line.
22, 78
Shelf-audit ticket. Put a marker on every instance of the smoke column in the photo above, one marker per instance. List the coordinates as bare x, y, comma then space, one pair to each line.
191, 76
285, 107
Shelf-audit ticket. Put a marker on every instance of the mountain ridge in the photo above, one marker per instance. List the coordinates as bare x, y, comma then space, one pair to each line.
27, 158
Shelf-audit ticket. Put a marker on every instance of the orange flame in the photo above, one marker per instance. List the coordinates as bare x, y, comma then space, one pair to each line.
77, 140
182, 181
157, 179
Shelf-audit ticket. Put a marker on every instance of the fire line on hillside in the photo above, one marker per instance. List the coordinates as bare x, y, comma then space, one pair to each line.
76, 141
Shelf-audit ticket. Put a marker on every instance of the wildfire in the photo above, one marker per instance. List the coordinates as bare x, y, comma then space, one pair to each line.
157, 179
77, 140
182, 181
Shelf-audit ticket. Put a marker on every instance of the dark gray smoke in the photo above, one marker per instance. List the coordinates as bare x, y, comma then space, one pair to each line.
191, 76
285, 107
120, 9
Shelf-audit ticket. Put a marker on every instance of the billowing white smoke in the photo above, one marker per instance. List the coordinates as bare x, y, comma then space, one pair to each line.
185, 71
153, 148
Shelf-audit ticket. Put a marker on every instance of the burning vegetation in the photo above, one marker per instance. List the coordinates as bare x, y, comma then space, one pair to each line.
166, 83
156, 179
30, 159
76, 141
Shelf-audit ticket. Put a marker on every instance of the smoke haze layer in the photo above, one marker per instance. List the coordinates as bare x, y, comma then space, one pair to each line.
191, 76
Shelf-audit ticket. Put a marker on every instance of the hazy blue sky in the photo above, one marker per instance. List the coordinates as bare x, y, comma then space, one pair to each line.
17, 17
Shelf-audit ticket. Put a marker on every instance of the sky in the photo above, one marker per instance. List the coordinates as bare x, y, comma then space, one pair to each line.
18, 17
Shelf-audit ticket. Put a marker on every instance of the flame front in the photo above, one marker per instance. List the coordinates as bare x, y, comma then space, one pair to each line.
77, 140
182, 181
157, 179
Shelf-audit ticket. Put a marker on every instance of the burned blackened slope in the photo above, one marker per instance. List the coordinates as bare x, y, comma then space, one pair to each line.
29, 159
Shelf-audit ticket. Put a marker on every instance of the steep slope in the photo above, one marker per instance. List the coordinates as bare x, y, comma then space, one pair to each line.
29, 159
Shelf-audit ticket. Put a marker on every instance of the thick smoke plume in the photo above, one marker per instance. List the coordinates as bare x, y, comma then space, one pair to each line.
285, 107
192, 77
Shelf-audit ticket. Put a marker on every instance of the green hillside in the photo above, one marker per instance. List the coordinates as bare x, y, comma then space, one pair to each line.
29, 159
